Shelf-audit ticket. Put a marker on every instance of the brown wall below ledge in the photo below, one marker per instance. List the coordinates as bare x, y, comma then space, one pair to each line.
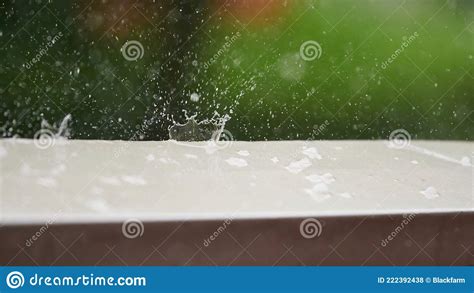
428, 239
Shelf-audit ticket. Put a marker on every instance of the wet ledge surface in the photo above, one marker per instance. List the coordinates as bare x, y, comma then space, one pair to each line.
77, 181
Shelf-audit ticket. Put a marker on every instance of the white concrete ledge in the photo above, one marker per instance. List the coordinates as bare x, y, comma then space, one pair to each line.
79, 181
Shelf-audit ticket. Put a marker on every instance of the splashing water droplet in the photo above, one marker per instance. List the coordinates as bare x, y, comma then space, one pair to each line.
61, 131
195, 97
194, 130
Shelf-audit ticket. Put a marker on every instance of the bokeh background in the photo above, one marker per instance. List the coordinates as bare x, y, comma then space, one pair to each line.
241, 58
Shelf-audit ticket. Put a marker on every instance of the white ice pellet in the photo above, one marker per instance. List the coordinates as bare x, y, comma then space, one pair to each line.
110, 180
312, 153
190, 156
237, 162
465, 161
326, 178
134, 180
47, 182
243, 153
297, 166
150, 157
430, 192
319, 192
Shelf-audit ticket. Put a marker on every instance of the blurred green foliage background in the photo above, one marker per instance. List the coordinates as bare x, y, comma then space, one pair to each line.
240, 58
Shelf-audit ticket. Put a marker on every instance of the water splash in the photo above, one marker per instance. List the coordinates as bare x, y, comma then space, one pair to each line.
48, 134
194, 130
58, 131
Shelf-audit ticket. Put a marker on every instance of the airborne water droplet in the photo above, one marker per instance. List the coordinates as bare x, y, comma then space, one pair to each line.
195, 97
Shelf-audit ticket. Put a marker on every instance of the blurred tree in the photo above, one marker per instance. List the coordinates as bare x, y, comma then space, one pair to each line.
242, 58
